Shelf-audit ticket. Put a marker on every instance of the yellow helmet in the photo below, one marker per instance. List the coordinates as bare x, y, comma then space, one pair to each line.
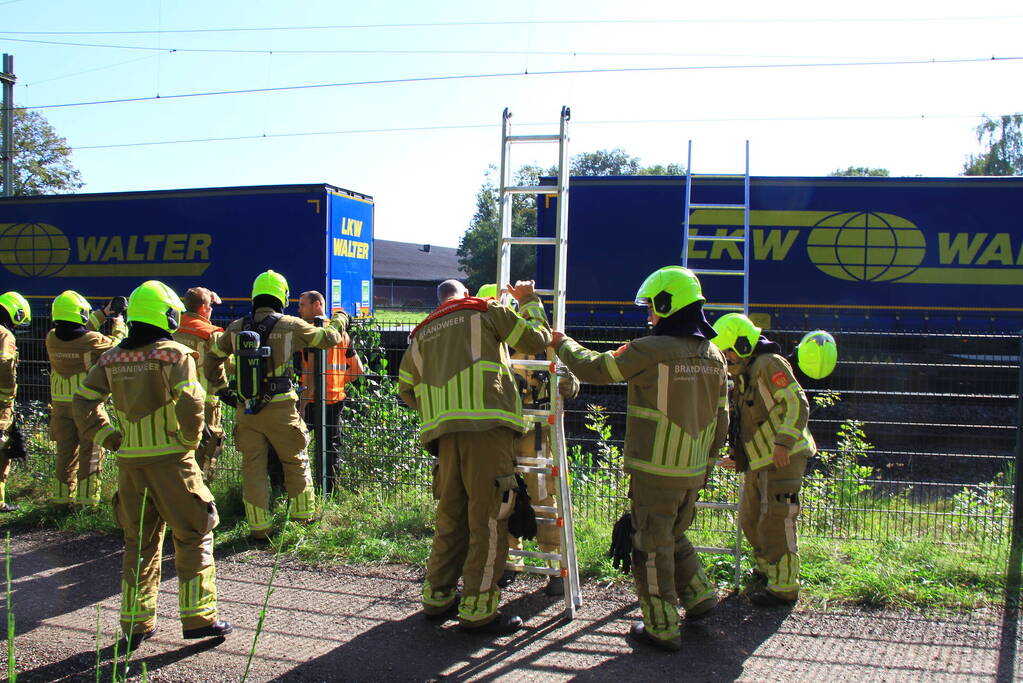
488, 291
737, 332
271, 283
670, 289
155, 303
817, 354
17, 307
70, 306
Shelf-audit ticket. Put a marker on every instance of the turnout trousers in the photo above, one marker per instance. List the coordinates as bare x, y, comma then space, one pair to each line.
541, 492
79, 461
153, 493
6, 418
664, 562
212, 443
770, 505
474, 484
279, 425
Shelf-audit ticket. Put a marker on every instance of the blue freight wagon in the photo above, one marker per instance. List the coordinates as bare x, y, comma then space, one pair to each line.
101, 245
834, 252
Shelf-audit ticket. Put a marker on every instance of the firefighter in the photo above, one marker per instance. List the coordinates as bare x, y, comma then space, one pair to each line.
456, 375
73, 345
159, 404
14, 311
770, 445
342, 366
199, 334
677, 423
533, 447
266, 412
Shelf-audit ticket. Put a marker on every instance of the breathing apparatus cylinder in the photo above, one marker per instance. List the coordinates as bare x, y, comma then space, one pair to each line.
251, 365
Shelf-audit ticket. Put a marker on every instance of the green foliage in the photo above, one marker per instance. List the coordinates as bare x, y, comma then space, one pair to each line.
42, 159
1003, 139
861, 171
985, 510
839, 482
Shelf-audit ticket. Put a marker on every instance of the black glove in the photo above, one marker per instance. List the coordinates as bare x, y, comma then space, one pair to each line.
15, 449
522, 523
228, 397
118, 304
620, 551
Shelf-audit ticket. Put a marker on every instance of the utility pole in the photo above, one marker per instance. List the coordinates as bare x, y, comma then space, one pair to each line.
7, 124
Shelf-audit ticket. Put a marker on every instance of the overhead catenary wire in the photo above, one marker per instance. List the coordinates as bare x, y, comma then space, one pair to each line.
518, 74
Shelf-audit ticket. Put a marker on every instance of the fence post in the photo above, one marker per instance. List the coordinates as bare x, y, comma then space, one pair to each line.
1016, 547
320, 419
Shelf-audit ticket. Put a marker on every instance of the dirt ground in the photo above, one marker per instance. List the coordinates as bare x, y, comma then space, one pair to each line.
363, 624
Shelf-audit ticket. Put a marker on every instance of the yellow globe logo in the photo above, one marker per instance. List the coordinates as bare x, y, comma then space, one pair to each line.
33, 249
866, 246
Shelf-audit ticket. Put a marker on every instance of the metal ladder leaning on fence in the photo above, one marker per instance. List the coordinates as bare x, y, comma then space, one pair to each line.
744, 240
555, 466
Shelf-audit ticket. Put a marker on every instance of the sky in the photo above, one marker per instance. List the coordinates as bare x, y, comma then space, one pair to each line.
409, 95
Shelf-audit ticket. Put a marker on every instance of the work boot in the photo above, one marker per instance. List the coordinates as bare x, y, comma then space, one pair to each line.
702, 609
8, 507
507, 578
129, 642
218, 629
502, 624
555, 586
765, 598
639, 632
450, 612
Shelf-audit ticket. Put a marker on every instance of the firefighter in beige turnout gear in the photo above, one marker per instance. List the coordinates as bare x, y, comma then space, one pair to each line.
771, 447
274, 421
677, 422
456, 375
14, 311
159, 404
73, 345
199, 334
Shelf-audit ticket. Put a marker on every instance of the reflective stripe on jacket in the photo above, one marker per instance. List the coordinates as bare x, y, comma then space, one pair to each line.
772, 410
71, 360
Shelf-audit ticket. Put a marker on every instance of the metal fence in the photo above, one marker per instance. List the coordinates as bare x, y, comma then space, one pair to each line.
919, 445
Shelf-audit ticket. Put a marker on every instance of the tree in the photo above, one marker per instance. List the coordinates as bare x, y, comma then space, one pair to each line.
477, 250
42, 159
864, 171
1004, 140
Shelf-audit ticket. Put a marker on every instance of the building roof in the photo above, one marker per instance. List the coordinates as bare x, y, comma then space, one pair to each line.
408, 261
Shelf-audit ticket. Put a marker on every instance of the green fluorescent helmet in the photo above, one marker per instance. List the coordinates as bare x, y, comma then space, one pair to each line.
669, 290
17, 307
737, 332
488, 291
817, 354
70, 306
271, 283
155, 303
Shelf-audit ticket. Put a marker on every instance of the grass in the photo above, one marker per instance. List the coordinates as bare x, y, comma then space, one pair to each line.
392, 317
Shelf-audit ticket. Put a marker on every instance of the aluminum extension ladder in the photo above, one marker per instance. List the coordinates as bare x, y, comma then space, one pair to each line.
556, 466
744, 240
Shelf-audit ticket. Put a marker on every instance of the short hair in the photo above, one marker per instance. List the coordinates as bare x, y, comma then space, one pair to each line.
312, 295
197, 297
448, 289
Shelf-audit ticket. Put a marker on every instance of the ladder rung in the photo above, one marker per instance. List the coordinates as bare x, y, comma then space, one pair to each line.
535, 555
706, 549
736, 207
530, 363
530, 569
554, 137
717, 175
546, 520
701, 271
546, 509
711, 505
544, 292
545, 241
529, 469
718, 238
536, 412
529, 189
536, 419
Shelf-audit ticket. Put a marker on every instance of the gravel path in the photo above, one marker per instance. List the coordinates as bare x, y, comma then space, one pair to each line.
362, 624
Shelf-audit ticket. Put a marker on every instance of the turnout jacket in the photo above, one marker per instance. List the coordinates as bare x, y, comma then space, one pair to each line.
456, 371
772, 409
71, 360
677, 403
8, 366
289, 335
199, 334
157, 397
